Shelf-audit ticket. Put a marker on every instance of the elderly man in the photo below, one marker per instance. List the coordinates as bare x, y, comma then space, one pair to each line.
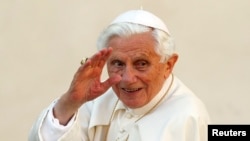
140, 101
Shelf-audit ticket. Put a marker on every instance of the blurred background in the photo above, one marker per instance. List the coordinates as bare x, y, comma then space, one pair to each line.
42, 43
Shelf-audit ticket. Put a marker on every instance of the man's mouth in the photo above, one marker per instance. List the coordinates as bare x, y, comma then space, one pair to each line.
131, 90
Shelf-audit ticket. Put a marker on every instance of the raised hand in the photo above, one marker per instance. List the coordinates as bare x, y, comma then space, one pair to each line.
85, 86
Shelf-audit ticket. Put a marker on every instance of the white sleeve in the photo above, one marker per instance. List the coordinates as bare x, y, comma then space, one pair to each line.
51, 129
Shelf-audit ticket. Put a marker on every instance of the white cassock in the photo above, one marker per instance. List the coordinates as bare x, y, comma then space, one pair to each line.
181, 116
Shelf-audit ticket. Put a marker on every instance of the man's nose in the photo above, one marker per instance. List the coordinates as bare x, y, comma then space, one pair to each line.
128, 75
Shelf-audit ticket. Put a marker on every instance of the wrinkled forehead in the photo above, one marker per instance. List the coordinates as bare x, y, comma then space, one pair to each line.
142, 43
141, 17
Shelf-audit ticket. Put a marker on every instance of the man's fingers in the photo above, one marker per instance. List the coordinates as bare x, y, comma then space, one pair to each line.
111, 81
105, 56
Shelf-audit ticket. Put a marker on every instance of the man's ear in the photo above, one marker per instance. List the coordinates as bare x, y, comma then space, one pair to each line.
170, 64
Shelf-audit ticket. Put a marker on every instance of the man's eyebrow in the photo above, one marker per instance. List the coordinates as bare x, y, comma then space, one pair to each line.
142, 55
114, 58
136, 56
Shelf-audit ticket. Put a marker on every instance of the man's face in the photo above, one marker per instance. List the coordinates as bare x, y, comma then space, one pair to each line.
135, 60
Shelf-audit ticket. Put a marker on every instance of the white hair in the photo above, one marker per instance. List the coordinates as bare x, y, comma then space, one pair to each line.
164, 43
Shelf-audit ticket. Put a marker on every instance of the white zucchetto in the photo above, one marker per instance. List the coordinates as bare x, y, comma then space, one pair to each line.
142, 17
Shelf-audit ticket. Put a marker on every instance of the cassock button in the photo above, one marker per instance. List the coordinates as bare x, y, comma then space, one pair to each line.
122, 130
128, 115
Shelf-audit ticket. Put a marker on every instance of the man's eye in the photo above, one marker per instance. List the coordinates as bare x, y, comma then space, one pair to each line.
142, 64
117, 63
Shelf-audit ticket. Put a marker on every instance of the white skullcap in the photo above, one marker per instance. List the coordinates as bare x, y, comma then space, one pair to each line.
142, 17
